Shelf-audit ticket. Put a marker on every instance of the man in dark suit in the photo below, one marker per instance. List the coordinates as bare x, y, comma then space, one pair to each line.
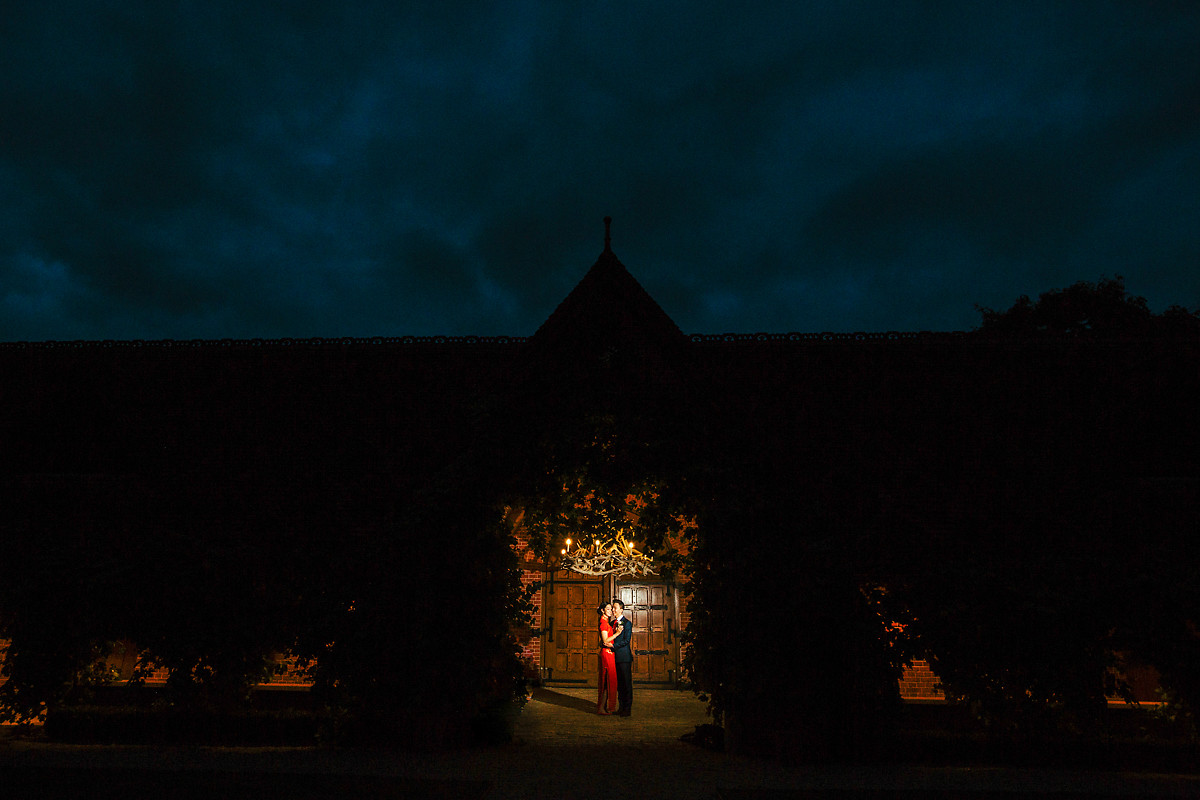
624, 659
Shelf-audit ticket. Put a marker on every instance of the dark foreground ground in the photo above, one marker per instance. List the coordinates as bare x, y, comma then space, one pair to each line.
562, 749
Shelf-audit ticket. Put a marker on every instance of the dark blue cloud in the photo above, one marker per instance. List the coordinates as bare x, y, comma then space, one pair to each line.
368, 168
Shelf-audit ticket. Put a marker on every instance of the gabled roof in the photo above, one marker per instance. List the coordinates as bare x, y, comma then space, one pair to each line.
608, 307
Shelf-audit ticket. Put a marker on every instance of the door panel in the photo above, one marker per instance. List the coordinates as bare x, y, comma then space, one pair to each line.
655, 647
572, 643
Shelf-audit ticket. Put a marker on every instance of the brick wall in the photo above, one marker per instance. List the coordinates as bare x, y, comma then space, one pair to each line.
684, 615
919, 683
530, 639
677, 541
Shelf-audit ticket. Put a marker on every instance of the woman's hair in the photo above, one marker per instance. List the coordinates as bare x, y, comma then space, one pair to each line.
600, 609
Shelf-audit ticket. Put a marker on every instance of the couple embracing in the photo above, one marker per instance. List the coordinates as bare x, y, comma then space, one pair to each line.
616, 660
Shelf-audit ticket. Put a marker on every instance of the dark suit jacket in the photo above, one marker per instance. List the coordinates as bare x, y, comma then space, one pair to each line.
621, 649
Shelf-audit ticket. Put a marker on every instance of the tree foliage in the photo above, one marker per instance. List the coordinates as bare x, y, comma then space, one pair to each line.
594, 481
999, 527
420, 638
785, 638
776, 590
1033, 545
1085, 309
393, 604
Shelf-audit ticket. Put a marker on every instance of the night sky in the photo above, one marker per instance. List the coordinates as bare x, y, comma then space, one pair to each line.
177, 170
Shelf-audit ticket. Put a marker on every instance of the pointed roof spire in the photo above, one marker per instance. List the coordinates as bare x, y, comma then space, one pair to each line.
608, 344
608, 302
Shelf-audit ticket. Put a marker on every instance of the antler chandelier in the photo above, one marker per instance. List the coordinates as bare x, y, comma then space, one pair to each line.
619, 559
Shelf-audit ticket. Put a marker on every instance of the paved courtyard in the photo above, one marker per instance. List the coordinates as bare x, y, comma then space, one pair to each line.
562, 750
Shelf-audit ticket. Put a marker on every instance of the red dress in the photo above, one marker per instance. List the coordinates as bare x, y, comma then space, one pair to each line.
608, 672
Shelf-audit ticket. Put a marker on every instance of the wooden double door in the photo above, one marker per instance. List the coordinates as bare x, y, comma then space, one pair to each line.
571, 642
655, 649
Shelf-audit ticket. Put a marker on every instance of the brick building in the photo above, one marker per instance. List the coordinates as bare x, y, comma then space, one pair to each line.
372, 418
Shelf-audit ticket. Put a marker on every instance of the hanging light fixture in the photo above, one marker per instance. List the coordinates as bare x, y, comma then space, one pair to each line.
618, 558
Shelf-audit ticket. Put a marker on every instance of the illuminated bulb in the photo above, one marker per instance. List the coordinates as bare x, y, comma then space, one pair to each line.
568, 542
564, 552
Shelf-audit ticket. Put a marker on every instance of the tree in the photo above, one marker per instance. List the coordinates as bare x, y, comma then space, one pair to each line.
1023, 544
1087, 309
784, 637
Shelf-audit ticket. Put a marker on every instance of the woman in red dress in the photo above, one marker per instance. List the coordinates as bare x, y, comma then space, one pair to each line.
608, 663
